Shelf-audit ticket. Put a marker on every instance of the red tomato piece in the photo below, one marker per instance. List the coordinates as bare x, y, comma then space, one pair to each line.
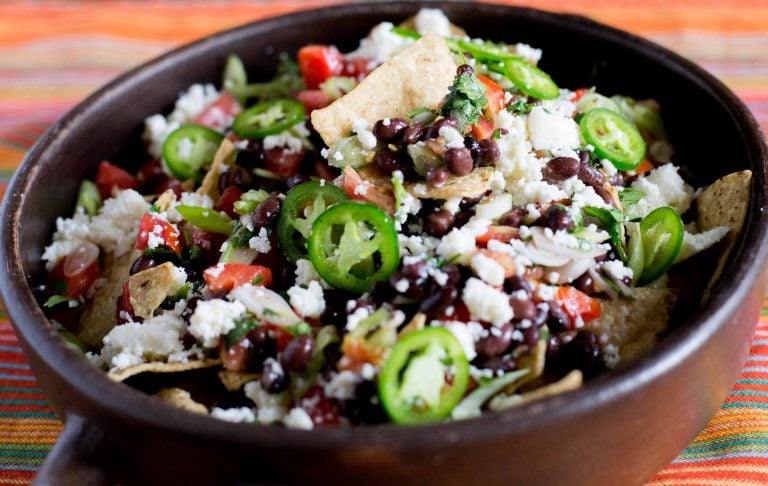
577, 304
500, 233
357, 352
226, 276
494, 94
318, 63
280, 335
110, 175
124, 307
236, 357
227, 200
72, 286
483, 129
578, 94
320, 408
157, 231
218, 115
313, 99
357, 68
283, 162
362, 190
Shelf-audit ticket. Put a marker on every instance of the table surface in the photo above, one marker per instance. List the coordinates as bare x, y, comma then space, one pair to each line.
53, 54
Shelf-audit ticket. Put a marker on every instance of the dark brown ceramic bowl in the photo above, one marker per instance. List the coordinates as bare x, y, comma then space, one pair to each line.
618, 429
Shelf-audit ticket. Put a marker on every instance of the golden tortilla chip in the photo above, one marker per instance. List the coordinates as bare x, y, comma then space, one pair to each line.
474, 184
235, 380
181, 399
417, 323
569, 382
160, 367
100, 314
724, 203
419, 76
534, 362
149, 288
225, 156
165, 200
633, 325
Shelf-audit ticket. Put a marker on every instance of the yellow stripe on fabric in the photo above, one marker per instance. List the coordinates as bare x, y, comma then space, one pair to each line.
10, 157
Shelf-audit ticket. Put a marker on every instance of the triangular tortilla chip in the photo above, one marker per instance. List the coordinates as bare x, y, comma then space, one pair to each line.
569, 382
149, 288
181, 399
224, 157
159, 367
419, 76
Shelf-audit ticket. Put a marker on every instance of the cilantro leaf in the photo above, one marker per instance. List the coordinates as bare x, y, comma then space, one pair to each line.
465, 100
612, 221
629, 197
55, 300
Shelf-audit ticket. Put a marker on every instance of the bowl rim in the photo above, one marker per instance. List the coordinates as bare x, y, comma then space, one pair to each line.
134, 406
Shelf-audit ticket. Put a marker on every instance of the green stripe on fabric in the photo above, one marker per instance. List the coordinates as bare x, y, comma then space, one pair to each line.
745, 405
752, 381
19, 389
28, 414
7, 174
26, 461
747, 393
25, 447
16, 401
12, 453
755, 443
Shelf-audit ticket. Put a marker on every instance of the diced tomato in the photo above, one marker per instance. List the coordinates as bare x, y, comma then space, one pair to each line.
227, 200
643, 167
280, 335
219, 113
357, 352
72, 286
318, 63
361, 190
151, 174
577, 304
320, 408
158, 230
283, 162
313, 99
494, 94
356, 68
483, 129
460, 313
325, 171
578, 94
206, 241
110, 175
501, 233
226, 276
171, 183
236, 357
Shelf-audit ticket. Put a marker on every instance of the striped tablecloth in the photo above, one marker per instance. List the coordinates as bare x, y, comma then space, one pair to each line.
53, 54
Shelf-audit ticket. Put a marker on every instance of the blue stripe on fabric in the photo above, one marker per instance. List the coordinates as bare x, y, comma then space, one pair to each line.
14, 366
10, 349
6, 376
19, 467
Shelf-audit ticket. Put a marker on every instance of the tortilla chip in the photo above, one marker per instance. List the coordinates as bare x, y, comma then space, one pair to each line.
534, 362
149, 288
417, 323
569, 382
181, 399
724, 203
235, 380
633, 325
419, 76
100, 314
225, 156
165, 200
159, 367
474, 184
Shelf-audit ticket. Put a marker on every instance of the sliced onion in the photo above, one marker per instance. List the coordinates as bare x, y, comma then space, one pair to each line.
600, 281
573, 270
541, 257
543, 242
267, 305
82, 257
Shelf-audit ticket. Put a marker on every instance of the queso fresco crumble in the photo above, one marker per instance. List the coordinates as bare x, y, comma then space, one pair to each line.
328, 248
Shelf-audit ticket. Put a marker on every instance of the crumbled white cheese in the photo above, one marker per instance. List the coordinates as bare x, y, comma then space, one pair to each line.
380, 45
364, 135
452, 137
213, 318
308, 302
260, 242
550, 131
488, 269
463, 335
694, 243
663, 186
530, 54
192, 102
416, 245
134, 343
581, 194
298, 418
235, 415
342, 385
516, 161
356, 317
432, 21
292, 139
270, 407
493, 208
486, 303
156, 130
617, 270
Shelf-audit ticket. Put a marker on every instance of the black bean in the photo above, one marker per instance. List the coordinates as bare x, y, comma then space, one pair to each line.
513, 217
437, 176
523, 309
273, 378
560, 169
336, 306
591, 176
434, 130
440, 299
504, 363
266, 212
557, 218
464, 69
584, 157
413, 290
531, 335
438, 223
585, 284
391, 130
516, 283
496, 342
603, 193
489, 152
459, 161
295, 180
462, 217
414, 133
231, 177
416, 270
252, 157
388, 161
617, 179
470, 202
143, 263
474, 148
542, 314
582, 352
297, 353
557, 320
